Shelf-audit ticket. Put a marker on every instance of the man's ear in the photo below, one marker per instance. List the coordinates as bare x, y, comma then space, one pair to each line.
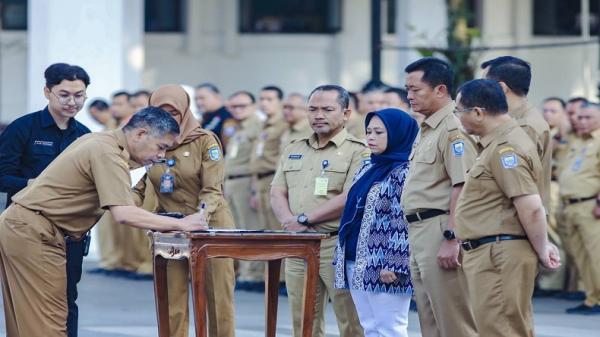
347, 113
46, 92
139, 134
505, 87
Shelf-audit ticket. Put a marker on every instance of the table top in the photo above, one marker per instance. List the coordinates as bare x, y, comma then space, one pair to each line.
237, 233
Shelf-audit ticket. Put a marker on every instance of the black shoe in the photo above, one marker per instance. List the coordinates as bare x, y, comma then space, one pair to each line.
282, 290
572, 295
545, 293
101, 271
256, 287
594, 311
581, 309
242, 285
141, 276
120, 273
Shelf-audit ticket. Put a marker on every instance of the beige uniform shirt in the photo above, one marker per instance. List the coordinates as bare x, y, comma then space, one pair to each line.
436, 162
356, 126
580, 176
299, 130
507, 167
302, 162
83, 181
239, 149
266, 150
198, 177
533, 123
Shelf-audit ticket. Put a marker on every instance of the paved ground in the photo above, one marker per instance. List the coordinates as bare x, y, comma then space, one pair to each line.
112, 307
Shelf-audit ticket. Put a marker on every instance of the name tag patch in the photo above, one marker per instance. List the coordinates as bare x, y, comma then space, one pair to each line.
295, 156
509, 160
43, 143
458, 148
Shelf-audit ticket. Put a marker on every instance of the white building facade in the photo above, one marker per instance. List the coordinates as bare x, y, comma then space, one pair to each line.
245, 44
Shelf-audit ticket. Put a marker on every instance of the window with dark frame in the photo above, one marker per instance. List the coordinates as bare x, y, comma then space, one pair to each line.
562, 18
290, 16
164, 16
13, 14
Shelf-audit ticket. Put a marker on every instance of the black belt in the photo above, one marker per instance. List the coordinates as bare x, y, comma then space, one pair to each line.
420, 216
472, 244
334, 233
265, 174
238, 176
577, 200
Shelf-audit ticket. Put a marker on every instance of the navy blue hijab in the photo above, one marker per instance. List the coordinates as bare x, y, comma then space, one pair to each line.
402, 130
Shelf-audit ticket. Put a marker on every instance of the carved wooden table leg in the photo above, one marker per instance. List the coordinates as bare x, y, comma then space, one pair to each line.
161, 295
310, 290
198, 262
271, 296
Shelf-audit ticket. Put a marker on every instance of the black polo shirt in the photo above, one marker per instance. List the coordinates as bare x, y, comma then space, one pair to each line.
29, 144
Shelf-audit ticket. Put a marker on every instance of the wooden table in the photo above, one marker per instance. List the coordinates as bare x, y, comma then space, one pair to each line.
271, 246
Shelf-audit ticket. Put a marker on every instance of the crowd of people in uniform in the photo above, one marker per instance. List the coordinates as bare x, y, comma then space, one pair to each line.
453, 197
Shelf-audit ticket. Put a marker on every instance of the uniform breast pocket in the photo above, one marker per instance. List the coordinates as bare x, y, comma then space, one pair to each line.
292, 170
480, 180
336, 174
424, 168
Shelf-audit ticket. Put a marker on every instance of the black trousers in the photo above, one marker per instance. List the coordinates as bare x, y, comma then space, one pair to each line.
76, 250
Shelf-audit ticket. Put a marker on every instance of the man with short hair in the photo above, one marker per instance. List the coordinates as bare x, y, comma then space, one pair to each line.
33, 141
514, 76
266, 152
294, 113
215, 116
396, 98
579, 183
432, 186
66, 200
121, 107
140, 99
308, 194
238, 180
500, 218
100, 112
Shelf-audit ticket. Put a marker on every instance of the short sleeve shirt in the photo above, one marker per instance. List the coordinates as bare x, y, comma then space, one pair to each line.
507, 167
91, 175
304, 160
580, 176
436, 162
267, 147
239, 148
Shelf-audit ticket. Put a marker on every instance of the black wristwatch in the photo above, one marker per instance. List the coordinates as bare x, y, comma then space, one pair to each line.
303, 220
449, 234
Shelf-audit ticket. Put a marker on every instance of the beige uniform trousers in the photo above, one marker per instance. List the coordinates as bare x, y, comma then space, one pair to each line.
442, 296
220, 281
501, 277
582, 231
343, 307
554, 280
265, 212
110, 252
34, 280
238, 193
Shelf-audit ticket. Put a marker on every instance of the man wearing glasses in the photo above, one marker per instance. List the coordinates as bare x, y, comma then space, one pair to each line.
31, 142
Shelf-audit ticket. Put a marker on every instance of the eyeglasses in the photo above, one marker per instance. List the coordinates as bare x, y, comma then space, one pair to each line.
458, 111
64, 98
293, 107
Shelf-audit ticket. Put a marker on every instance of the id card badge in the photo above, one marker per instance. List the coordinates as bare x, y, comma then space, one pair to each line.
322, 182
167, 182
260, 149
233, 152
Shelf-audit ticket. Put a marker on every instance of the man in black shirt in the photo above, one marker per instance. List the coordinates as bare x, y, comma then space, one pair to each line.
215, 117
31, 142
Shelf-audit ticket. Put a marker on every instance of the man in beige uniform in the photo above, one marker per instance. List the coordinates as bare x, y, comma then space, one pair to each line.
265, 154
67, 198
579, 183
308, 194
514, 75
238, 179
500, 217
433, 184
294, 113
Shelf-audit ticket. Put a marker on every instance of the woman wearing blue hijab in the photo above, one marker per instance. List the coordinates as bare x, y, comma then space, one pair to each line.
372, 253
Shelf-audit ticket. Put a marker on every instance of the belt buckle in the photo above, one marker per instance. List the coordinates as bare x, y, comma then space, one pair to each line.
418, 214
466, 245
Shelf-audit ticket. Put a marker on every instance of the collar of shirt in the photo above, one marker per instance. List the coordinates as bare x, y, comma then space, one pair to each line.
500, 130
301, 125
520, 110
337, 140
275, 119
434, 120
122, 143
595, 134
244, 124
48, 121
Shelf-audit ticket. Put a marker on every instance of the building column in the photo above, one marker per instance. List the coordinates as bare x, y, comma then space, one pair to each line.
102, 36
